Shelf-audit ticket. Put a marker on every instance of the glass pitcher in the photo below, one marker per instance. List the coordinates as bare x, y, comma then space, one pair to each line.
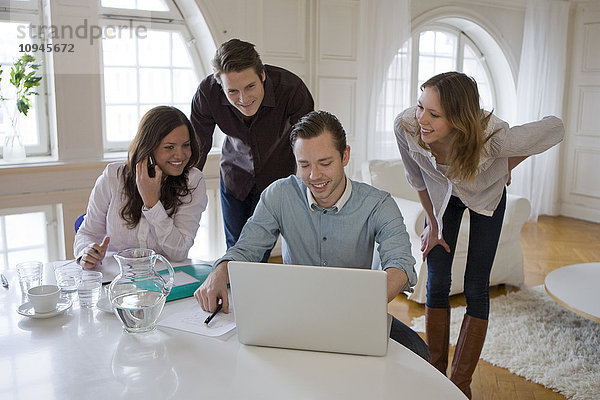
138, 292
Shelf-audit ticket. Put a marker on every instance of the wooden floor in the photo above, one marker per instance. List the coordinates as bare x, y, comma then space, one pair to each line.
550, 243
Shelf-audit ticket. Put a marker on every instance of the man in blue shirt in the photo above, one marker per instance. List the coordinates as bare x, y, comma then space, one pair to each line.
324, 219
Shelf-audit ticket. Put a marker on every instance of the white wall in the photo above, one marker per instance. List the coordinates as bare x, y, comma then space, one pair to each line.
580, 189
320, 40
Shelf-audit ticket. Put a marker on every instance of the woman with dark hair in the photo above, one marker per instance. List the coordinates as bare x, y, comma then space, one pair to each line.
153, 200
458, 156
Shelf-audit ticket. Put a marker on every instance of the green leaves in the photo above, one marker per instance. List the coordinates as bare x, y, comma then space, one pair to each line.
23, 78
23, 105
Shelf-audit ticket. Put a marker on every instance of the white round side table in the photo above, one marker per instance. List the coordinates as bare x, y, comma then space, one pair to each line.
577, 288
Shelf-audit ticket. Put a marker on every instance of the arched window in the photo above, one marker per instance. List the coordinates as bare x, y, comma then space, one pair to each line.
155, 61
20, 26
433, 49
148, 59
448, 49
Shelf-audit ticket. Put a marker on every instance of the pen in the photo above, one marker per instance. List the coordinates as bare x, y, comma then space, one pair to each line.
67, 263
207, 320
4, 281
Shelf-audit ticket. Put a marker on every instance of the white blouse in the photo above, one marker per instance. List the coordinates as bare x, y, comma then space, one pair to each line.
170, 236
484, 193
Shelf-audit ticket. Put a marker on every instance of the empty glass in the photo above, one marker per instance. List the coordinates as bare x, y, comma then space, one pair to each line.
89, 288
30, 275
68, 275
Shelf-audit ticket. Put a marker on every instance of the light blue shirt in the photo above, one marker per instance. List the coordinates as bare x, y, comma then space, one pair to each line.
341, 236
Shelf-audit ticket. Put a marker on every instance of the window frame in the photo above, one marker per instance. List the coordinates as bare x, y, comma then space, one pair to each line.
33, 15
24, 5
171, 21
482, 59
462, 39
173, 14
51, 214
382, 135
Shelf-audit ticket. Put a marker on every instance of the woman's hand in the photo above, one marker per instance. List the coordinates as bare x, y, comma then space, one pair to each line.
429, 239
512, 163
148, 187
93, 254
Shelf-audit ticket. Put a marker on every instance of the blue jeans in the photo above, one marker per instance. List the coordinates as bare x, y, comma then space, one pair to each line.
236, 213
408, 338
484, 233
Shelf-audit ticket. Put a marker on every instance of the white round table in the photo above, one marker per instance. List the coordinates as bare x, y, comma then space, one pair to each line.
577, 288
84, 354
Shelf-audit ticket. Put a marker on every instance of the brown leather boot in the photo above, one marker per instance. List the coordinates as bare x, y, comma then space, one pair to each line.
468, 349
437, 332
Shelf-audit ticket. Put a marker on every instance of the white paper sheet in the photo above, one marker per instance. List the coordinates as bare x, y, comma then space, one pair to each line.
192, 318
109, 268
182, 278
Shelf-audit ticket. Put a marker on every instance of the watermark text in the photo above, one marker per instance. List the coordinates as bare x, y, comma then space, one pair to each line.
82, 31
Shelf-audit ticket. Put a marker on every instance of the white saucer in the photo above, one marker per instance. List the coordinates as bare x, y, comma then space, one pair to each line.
26, 309
104, 305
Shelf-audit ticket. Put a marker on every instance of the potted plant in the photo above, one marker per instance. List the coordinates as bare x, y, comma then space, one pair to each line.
24, 79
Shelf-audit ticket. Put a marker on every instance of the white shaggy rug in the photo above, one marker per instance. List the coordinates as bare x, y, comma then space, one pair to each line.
532, 336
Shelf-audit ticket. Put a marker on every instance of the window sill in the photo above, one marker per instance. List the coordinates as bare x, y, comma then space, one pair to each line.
115, 156
32, 163
40, 164
214, 153
29, 161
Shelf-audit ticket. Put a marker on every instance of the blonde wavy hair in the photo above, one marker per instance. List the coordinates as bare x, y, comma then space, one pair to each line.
459, 99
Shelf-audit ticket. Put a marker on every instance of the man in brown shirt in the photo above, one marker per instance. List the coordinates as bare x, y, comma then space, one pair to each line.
255, 106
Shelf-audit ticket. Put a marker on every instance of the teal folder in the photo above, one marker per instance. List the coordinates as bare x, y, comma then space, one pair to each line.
197, 271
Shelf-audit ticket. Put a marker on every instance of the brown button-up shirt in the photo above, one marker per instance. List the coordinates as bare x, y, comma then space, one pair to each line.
258, 153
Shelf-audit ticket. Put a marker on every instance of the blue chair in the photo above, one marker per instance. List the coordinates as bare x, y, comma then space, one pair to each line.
78, 222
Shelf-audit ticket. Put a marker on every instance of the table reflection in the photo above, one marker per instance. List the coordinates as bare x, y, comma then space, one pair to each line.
141, 363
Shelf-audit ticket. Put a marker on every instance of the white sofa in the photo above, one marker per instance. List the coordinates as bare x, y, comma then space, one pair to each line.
508, 264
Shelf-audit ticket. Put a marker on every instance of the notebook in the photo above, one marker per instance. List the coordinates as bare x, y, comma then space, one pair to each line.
341, 310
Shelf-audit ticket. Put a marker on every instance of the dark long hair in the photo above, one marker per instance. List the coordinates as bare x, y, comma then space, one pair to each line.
154, 126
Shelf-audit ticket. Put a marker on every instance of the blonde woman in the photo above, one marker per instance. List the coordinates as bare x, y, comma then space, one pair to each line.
458, 156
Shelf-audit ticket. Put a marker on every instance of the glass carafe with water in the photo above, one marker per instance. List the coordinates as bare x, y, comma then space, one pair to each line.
138, 292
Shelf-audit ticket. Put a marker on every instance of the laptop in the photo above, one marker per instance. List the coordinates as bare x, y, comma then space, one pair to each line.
340, 310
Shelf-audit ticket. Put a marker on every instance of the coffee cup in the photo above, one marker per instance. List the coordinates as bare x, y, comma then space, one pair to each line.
44, 298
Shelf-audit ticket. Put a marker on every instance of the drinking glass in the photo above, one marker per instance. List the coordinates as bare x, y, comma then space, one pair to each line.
68, 276
30, 275
89, 288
